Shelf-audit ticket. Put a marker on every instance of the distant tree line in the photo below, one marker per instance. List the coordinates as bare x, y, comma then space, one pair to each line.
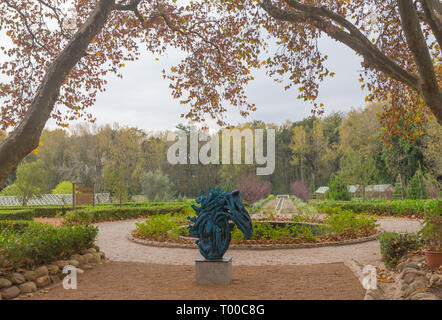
129, 161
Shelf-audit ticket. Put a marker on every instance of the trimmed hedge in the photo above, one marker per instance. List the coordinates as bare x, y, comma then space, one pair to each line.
383, 208
41, 212
53, 211
28, 243
92, 215
16, 215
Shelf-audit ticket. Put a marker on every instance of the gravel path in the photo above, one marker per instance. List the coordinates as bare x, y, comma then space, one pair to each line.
112, 240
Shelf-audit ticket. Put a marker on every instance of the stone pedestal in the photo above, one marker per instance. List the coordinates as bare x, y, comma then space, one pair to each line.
217, 271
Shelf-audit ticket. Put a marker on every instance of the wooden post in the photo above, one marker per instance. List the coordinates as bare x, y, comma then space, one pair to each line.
93, 201
73, 196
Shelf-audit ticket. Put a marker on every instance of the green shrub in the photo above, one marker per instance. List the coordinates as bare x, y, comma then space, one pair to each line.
395, 245
27, 243
383, 208
92, 215
337, 189
162, 226
64, 187
347, 223
16, 215
431, 232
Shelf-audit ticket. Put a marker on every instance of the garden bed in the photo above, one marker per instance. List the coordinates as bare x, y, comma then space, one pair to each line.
342, 228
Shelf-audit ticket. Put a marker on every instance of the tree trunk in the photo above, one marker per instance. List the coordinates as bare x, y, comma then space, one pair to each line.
26, 136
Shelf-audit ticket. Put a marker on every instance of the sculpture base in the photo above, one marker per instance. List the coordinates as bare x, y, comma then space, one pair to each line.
217, 271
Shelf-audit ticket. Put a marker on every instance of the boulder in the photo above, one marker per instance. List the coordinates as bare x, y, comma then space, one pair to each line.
16, 278
5, 283
53, 269
410, 277
412, 265
10, 293
423, 296
30, 275
90, 250
411, 270
95, 258
41, 271
88, 257
78, 258
28, 287
43, 281
61, 263
74, 262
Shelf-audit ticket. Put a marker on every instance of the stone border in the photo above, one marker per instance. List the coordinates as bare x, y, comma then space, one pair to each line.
25, 282
152, 243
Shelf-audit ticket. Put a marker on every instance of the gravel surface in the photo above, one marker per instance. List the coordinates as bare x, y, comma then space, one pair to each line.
133, 281
112, 240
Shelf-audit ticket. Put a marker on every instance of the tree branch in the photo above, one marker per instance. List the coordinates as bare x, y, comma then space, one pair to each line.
416, 42
434, 23
26, 136
353, 39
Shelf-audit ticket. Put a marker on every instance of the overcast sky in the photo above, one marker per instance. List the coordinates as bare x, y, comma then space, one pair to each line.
143, 98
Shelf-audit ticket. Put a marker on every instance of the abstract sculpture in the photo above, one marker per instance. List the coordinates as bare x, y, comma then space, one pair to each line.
211, 224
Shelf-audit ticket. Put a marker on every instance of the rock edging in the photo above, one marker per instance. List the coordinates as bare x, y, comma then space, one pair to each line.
26, 282
152, 243
414, 283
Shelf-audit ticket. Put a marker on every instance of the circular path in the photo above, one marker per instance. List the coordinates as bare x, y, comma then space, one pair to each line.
112, 239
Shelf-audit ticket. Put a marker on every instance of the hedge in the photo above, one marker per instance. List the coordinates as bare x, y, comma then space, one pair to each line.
383, 208
52, 211
17, 215
27, 243
40, 211
92, 215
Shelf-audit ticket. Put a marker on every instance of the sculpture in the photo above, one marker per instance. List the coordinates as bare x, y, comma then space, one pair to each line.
211, 224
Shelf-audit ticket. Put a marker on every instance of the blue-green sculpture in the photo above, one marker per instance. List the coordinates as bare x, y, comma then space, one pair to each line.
211, 224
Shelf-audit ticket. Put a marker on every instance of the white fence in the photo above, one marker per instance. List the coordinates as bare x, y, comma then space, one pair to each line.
51, 199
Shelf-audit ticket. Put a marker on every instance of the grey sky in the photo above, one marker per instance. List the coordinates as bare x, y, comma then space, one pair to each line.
143, 99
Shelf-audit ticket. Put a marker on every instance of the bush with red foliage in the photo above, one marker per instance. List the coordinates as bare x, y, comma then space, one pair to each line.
300, 190
253, 189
